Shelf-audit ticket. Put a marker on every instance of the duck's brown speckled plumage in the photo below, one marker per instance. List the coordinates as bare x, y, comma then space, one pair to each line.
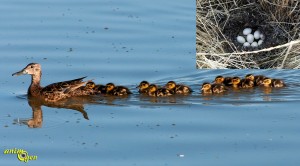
52, 92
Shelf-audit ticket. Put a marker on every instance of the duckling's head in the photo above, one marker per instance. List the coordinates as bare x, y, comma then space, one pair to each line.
152, 88
171, 85
219, 80
109, 87
267, 82
90, 85
31, 69
143, 85
206, 86
236, 80
249, 77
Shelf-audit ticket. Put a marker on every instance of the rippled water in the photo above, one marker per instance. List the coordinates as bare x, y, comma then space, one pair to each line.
126, 42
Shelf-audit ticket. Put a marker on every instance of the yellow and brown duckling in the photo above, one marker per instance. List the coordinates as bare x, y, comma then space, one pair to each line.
52, 92
227, 81
236, 82
276, 83
178, 88
155, 91
208, 88
246, 83
111, 89
143, 87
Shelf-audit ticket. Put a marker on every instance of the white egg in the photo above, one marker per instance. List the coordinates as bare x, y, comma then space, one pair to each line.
250, 38
247, 31
260, 42
262, 36
246, 44
257, 34
254, 44
241, 39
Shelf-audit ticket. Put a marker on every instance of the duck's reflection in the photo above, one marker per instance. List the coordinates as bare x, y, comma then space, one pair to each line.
75, 103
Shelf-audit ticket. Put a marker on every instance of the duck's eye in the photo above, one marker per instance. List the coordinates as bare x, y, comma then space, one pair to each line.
31, 66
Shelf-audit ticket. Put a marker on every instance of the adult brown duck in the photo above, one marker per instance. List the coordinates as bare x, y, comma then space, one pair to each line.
52, 92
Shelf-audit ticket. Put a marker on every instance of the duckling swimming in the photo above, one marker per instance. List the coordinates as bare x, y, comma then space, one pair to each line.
143, 87
152, 90
111, 89
206, 88
160, 92
100, 89
276, 83
218, 88
247, 83
178, 89
236, 82
258, 80
52, 92
227, 81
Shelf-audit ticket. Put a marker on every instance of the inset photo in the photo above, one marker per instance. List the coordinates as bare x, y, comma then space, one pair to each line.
248, 34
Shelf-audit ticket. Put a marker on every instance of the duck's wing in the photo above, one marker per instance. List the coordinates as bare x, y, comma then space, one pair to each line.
64, 87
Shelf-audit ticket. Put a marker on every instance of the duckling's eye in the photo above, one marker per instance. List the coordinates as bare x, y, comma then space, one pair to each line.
31, 66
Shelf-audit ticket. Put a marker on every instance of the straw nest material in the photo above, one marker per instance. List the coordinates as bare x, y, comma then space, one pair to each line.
219, 22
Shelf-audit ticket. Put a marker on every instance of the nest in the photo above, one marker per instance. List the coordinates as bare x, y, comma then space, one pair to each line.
219, 22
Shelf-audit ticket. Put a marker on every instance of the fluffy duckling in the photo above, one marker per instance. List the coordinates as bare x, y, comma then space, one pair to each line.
160, 92
155, 91
250, 77
236, 82
223, 80
178, 88
143, 87
111, 89
89, 85
218, 88
247, 83
277, 83
258, 80
100, 89
206, 88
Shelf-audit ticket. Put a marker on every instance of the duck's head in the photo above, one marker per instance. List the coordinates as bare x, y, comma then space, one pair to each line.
267, 82
143, 85
152, 88
206, 86
170, 85
109, 87
236, 80
90, 85
219, 80
249, 77
31, 69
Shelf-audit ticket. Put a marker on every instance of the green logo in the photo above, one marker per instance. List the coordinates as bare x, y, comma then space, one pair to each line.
21, 154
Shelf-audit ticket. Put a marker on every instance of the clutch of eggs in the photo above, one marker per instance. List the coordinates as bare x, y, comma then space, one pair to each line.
249, 38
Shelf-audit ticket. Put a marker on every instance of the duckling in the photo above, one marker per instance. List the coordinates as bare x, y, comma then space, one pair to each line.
247, 83
218, 88
227, 81
152, 90
277, 83
206, 88
111, 89
100, 89
178, 89
160, 92
89, 85
143, 87
236, 82
250, 77
258, 80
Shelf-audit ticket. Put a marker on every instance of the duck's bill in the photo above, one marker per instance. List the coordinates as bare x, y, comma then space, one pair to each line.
22, 72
